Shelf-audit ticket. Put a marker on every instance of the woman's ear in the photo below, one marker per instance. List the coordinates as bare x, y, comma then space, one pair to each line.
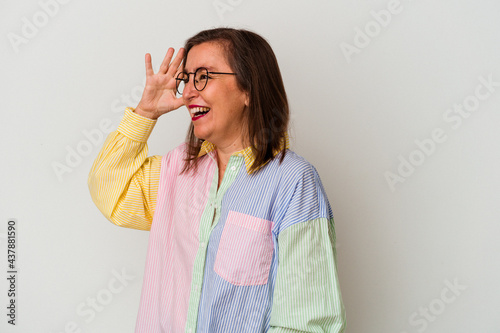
247, 99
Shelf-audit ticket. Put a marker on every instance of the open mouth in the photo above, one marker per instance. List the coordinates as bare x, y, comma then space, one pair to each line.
198, 112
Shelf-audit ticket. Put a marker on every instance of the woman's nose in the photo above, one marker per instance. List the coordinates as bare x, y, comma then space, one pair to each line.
189, 90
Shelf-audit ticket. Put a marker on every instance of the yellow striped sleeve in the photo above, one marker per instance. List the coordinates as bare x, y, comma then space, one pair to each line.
123, 181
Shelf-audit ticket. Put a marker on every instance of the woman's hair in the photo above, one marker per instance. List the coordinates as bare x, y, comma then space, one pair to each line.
257, 72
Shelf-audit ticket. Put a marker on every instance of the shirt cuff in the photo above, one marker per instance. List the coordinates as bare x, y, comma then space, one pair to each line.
136, 127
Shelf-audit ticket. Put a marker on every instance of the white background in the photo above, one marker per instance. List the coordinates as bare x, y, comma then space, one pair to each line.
355, 117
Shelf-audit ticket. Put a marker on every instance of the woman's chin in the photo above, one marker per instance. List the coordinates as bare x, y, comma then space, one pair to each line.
200, 134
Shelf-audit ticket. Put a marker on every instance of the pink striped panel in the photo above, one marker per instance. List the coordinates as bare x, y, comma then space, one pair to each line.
173, 244
245, 250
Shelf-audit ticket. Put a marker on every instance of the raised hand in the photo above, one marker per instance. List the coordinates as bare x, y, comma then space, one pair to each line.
159, 96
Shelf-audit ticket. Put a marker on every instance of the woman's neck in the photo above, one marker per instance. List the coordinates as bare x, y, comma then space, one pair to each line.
224, 153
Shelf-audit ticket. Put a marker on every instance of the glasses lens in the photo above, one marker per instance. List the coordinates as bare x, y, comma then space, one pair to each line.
200, 78
180, 82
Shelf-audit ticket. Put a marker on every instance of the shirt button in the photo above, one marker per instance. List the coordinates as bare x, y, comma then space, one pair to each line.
190, 330
203, 244
233, 168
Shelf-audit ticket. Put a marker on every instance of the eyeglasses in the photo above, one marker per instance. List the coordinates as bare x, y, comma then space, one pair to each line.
201, 76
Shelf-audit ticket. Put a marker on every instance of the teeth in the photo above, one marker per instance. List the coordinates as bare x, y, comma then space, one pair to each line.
199, 109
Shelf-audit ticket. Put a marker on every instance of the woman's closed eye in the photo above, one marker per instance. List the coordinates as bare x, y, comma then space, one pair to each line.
203, 77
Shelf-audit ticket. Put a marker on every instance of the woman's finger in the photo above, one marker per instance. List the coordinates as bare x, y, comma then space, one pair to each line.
149, 67
166, 61
178, 102
174, 66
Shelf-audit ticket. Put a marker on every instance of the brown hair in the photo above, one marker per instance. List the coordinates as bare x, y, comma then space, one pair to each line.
257, 72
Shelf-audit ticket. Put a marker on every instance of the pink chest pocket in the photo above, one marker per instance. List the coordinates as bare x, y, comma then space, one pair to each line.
245, 250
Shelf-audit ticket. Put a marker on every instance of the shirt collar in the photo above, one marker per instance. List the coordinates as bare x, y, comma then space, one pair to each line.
247, 153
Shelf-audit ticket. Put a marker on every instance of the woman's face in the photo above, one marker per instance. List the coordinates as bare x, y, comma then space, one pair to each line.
223, 124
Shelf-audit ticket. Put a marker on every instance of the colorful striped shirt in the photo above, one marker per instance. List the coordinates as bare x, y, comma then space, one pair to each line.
253, 254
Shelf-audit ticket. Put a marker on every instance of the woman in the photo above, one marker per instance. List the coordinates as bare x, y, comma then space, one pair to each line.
242, 236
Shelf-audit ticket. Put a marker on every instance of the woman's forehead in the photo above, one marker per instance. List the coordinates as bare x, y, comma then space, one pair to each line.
209, 55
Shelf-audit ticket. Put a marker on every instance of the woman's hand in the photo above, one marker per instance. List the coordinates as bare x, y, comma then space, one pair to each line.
159, 97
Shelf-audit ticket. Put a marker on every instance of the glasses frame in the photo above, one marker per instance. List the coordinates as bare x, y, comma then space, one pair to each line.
186, 81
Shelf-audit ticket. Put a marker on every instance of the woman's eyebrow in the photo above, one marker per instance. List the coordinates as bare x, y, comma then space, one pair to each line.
210, 68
